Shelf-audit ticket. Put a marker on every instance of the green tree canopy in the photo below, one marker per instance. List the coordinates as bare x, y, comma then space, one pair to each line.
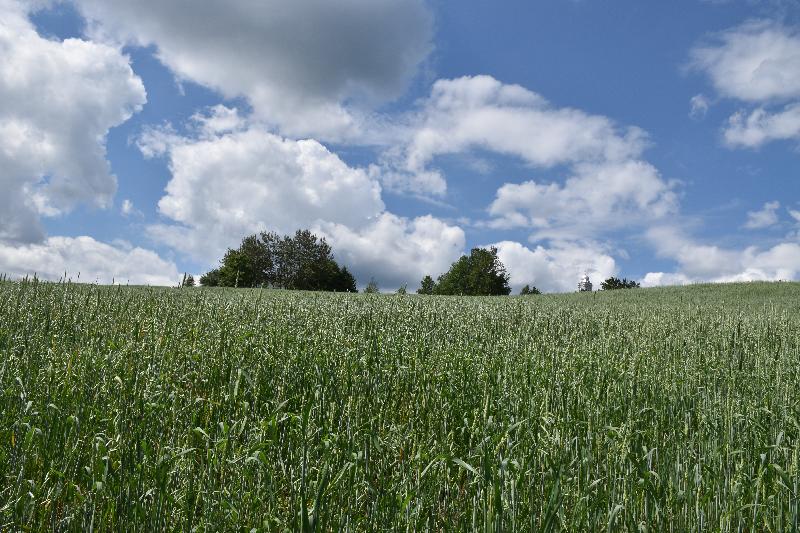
527, 290
613, 283
299, 262
210, 279
426, 286
481, 273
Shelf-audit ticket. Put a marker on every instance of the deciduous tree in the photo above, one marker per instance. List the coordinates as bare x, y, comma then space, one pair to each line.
613, 283
481, 273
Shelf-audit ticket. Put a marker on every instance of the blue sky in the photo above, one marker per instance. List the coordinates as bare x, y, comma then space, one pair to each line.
650, 140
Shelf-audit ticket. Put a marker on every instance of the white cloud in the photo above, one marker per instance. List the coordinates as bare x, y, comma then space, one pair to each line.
309, 67
128, 209
763, 218
761, 126
396, 250
659, 279
758, 63
556, 268
227, 185
58, 99
794, 234
702, 262
755, 62
597, 199
698, 106
96, 262
219, 119
608, 184
482, 113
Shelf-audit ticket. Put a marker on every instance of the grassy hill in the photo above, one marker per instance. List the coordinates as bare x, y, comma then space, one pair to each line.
151, 409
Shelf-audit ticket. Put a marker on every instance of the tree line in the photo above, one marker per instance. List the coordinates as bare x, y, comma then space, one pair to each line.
299, 262
304, 261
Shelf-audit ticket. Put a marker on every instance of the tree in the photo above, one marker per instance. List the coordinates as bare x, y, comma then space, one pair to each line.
299, 262
210, 279
372, 287
345, 282
481, 273
238, 269
188, 280
403, 290
426, 286
613, 283
527, 291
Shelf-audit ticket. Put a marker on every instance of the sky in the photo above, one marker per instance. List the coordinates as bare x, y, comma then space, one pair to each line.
657, 141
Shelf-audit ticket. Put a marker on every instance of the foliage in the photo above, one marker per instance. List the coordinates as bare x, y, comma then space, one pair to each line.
210, 279
426, 286
299, 262
372, 287
481, 273
613, 283
403, 290
188, 280
527, 291
142, 409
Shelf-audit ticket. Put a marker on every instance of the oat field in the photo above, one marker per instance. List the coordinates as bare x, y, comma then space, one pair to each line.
138, 409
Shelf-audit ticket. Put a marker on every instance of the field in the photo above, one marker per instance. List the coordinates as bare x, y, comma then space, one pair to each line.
129, 408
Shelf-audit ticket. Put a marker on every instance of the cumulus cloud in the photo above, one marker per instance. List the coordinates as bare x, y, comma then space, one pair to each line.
758, 63
703, 262
58, 99
556, 268
480, 112
660, 279
608, 184
310, 68
397, 250
794, 234
128, 209
763, 218
597, 199
228, 184
761, 126
754, 62
218, 119
698, 106
94, 261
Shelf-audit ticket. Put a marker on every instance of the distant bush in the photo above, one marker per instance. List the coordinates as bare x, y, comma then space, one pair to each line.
528, 290
372, 287
613, 283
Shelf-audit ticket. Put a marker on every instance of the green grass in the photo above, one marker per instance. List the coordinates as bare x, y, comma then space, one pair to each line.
224, 410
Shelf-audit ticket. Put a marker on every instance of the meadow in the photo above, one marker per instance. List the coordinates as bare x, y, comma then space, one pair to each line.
125, 408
